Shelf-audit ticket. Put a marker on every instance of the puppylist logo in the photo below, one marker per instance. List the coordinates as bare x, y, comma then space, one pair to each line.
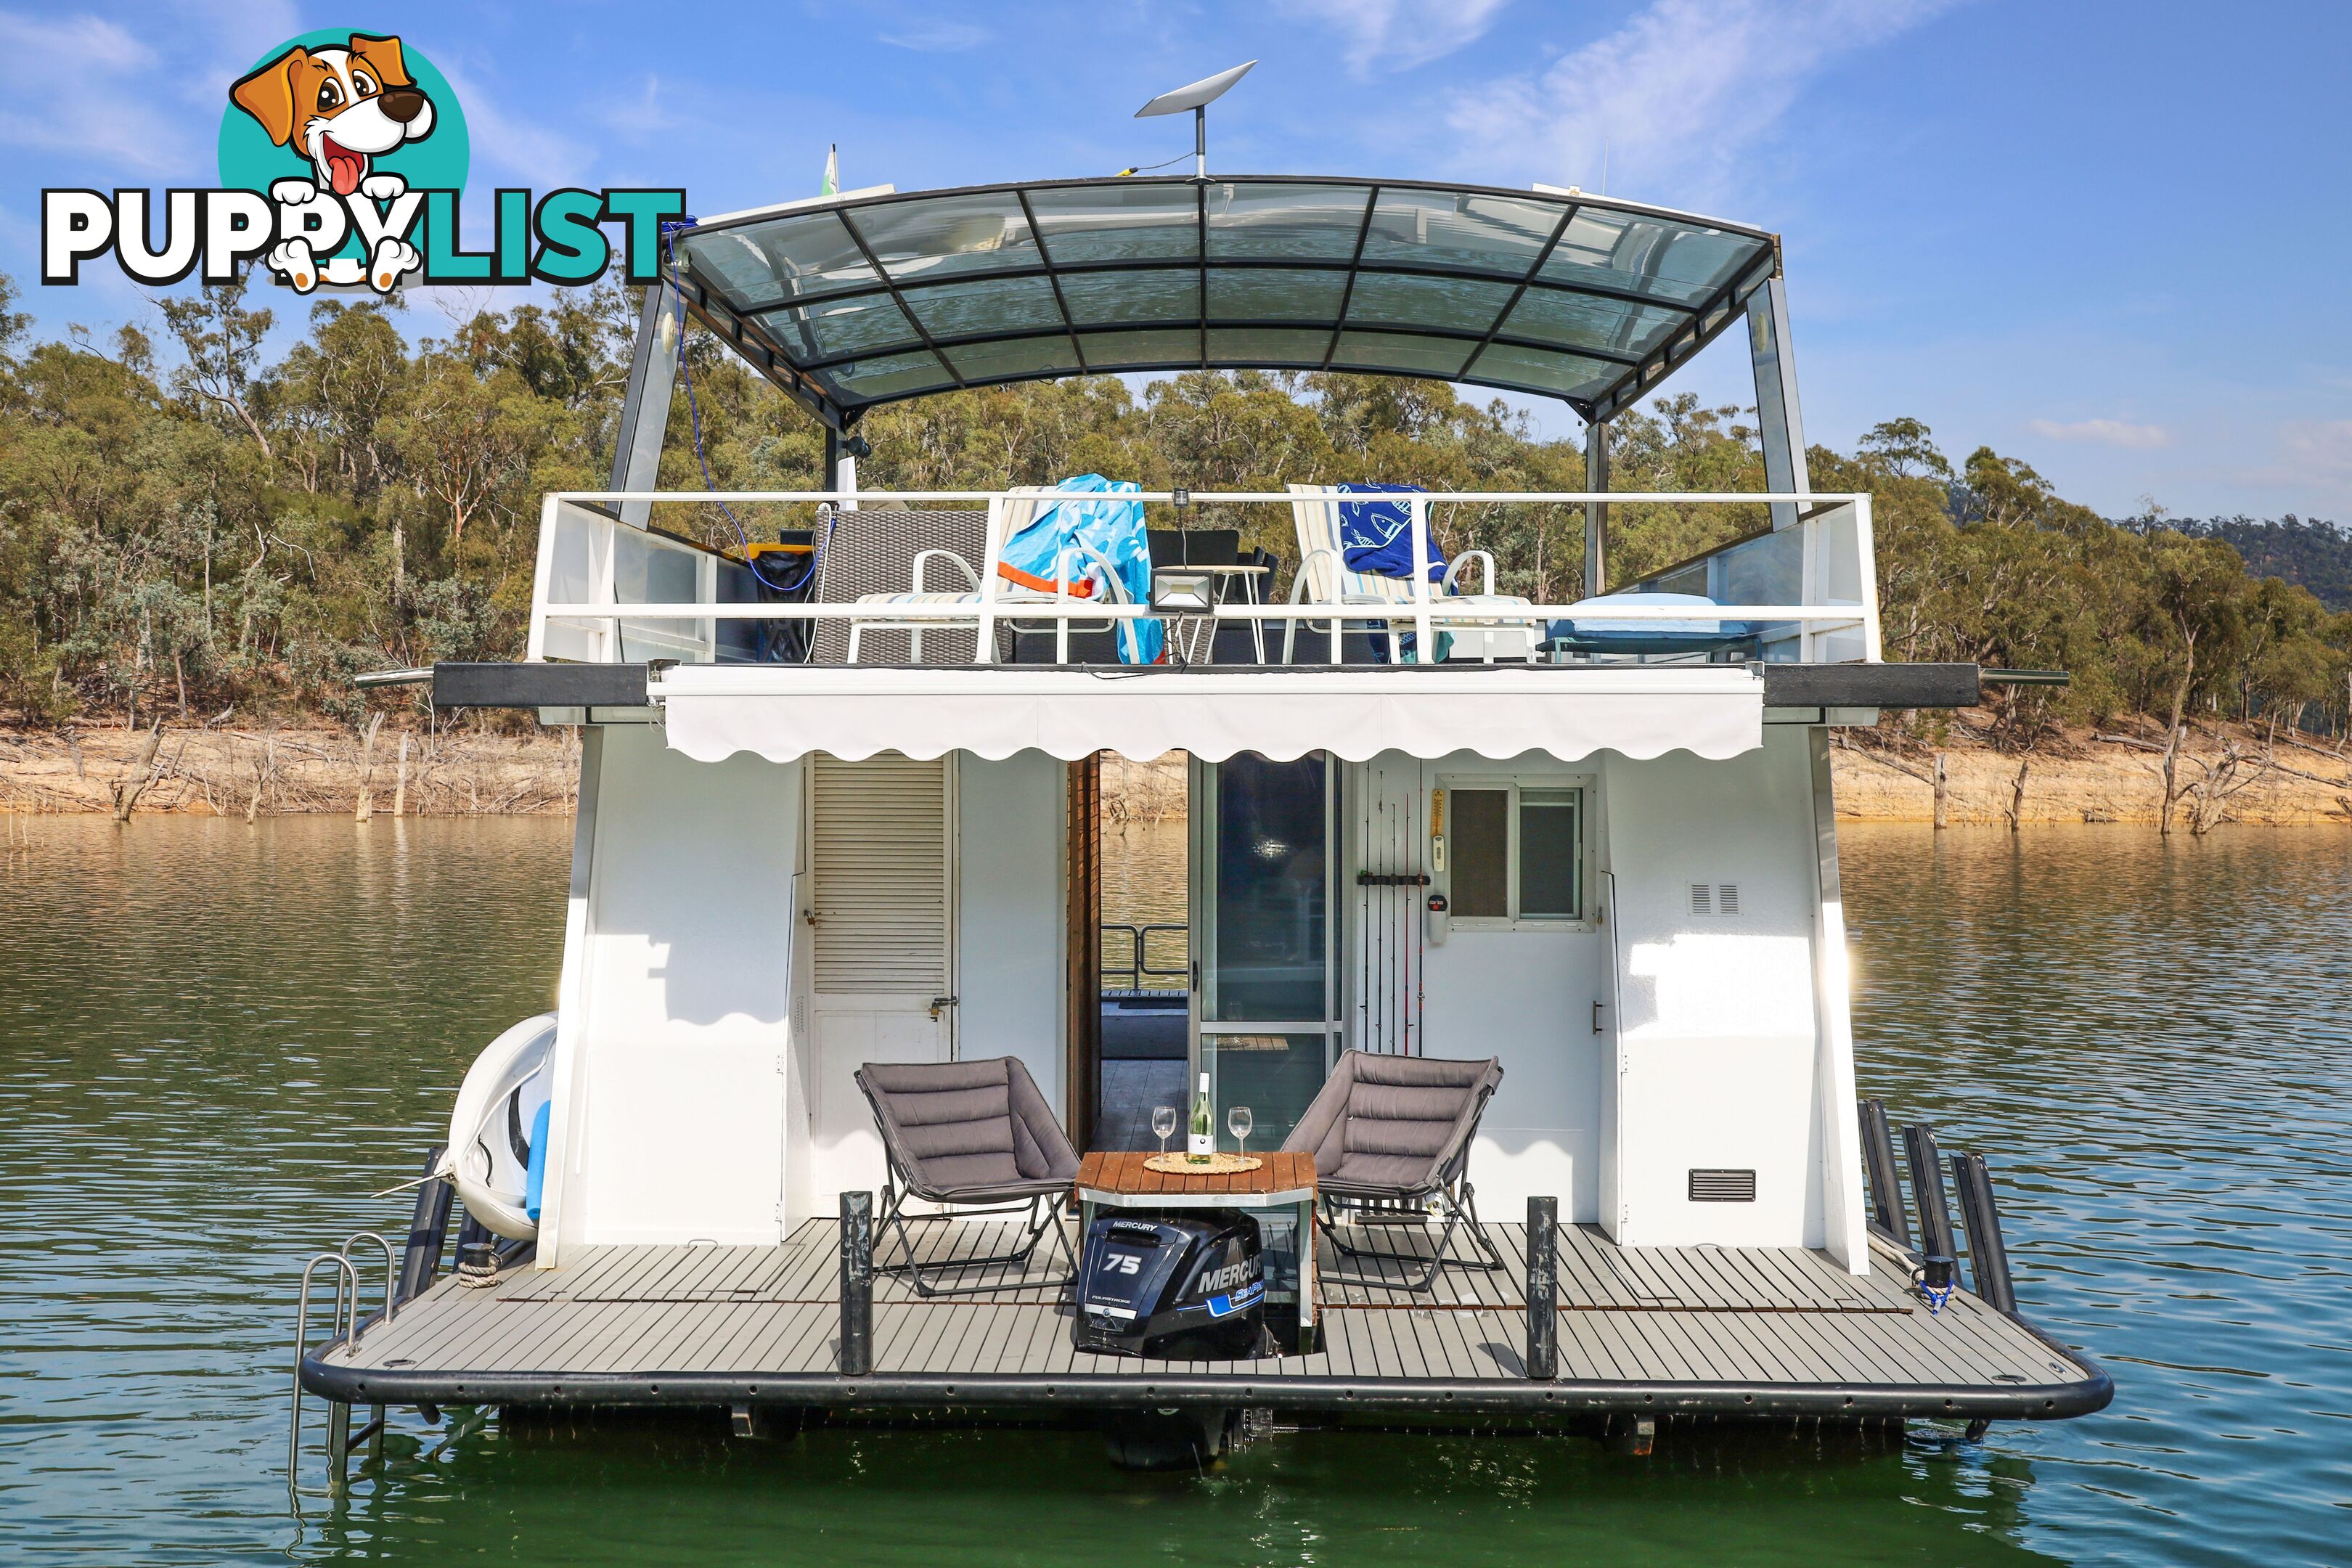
342, 162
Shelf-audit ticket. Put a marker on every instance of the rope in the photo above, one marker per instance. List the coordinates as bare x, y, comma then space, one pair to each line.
1936, 1296
670, 229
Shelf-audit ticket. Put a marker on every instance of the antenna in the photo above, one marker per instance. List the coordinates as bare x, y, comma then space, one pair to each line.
1197, 98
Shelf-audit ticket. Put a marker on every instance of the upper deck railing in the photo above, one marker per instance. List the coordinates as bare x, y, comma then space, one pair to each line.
609, 592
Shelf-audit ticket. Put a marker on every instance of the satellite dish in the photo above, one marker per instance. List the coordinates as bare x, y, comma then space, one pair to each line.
1200, 94
1197, 98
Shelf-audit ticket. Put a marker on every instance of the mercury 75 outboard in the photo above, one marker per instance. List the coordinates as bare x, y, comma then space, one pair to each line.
1188, 1288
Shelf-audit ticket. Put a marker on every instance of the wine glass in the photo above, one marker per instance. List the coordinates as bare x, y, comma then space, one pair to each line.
1238, 1121
1163, 1122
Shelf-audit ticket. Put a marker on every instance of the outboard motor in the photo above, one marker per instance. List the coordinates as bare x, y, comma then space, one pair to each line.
1189, 1287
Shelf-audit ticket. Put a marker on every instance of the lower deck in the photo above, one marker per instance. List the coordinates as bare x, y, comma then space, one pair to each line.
1762, 1332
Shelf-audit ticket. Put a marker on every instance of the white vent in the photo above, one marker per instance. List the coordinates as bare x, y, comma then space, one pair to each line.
879, 831
1717, 898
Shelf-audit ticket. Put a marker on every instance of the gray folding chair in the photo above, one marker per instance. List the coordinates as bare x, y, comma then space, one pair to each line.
1390, 1137
976, 1137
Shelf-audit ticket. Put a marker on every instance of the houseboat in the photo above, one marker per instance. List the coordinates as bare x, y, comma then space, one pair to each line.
839, 817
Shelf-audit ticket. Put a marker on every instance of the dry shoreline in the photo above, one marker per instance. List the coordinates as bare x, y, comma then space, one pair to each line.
261, 772
249, 772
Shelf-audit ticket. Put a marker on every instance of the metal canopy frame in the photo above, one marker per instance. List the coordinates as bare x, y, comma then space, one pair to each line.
731, 314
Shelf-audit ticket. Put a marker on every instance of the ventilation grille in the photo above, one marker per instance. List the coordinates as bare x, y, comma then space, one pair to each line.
879, 834
1722, 1186
1718, 899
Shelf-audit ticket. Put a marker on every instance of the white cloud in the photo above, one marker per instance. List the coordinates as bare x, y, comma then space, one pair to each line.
2103, 433
644, 117
1677, 93
2318, 450
544, 159
63, 88
1398, 34
937, 38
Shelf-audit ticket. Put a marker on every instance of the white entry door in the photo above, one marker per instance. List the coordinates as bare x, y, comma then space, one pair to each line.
882, 904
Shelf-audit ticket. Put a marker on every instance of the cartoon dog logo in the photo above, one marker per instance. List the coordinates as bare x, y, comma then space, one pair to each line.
341, 110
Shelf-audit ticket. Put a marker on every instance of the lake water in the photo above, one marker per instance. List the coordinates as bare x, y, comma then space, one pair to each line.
216, 1041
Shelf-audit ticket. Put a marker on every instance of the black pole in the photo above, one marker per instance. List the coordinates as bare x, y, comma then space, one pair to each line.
832, 460
1988, 1257
1543, 1286
1936, 1247
1885, 1188
856, 1284
428, 1230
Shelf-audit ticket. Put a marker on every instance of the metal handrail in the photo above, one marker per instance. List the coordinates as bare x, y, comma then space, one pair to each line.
345, 1327
1140, 951
1425, 611
391, 1275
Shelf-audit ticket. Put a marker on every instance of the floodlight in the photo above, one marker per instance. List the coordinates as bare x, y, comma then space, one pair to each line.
1197, 98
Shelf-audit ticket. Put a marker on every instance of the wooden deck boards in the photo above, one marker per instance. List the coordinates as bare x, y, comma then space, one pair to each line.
1699, 1315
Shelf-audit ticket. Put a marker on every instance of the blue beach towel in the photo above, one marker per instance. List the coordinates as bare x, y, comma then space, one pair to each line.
1376, 536
1111, 530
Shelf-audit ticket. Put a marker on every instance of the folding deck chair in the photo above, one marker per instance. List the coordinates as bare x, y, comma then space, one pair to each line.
976, 1137
1477, 626
1392, 1136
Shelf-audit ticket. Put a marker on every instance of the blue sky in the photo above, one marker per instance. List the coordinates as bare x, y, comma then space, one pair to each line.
2108, 238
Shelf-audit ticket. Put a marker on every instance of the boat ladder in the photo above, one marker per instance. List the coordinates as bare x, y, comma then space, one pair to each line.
345, 1327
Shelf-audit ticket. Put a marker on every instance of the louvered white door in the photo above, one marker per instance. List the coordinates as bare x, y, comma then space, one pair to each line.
882, 904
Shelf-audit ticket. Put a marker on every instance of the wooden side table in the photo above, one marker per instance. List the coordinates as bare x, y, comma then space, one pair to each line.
1119, 1181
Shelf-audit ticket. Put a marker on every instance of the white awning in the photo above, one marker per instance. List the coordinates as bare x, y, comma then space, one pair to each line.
780, 712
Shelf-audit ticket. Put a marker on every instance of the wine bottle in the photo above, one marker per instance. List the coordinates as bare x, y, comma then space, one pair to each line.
1200, 1138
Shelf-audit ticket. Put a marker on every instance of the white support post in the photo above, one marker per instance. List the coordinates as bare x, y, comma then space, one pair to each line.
645, 407
984, 644
1596, 513
566, 1094
1779, 425
1426, 645
1845, 1235
1866, 546
535, 644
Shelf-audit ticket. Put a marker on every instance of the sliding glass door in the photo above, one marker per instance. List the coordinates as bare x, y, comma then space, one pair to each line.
1265, 992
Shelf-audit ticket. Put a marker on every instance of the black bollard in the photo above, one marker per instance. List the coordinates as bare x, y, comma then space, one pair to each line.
856, 1284
1543, 1284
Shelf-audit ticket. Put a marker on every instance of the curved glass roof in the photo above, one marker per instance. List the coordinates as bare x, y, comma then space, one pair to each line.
870, 298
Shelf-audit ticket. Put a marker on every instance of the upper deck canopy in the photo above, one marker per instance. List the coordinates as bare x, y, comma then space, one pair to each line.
865, 300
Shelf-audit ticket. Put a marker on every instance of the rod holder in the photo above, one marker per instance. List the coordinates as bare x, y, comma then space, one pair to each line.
1887, 1215
1988, 1274
1543, 1285
856, 1284
428, 1230
1928, 1196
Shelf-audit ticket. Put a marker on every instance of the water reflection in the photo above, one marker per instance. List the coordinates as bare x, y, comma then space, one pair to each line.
216, 1041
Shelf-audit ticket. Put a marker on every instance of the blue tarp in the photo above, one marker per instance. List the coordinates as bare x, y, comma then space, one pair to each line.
1092, 533
1376, 536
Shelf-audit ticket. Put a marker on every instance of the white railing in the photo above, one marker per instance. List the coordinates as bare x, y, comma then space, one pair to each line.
608, 591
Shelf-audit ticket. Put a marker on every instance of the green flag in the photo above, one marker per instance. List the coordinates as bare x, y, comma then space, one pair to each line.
831, 185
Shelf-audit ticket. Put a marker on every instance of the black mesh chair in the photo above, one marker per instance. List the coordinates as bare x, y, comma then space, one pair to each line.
976, 1137
1390, 1137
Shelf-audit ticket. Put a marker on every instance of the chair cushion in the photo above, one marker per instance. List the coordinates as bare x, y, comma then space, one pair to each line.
968, 1129
1398, 1123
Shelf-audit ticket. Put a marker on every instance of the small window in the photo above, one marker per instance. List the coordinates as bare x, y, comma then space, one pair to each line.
1515, 853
